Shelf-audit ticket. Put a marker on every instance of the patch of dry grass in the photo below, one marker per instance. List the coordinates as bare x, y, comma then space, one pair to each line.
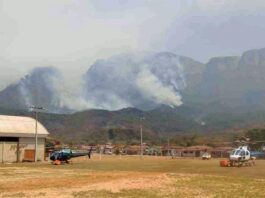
132, 177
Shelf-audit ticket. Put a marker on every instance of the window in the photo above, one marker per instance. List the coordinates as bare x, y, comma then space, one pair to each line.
8, 139
242, 153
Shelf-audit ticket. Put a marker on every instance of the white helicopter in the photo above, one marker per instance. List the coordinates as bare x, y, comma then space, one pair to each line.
241, 156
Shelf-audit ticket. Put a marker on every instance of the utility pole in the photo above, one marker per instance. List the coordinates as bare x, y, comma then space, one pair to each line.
168, 147
36, 136
141, 135
100, 153
35, 110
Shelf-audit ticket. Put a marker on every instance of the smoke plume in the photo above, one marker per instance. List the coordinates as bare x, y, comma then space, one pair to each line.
129, 81
121, 81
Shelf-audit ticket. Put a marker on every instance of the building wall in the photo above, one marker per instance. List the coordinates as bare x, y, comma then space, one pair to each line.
8, 152
188, 154
176, 153
221, 154
29, 143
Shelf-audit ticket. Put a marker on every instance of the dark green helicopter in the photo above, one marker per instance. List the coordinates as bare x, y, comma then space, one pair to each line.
64, 155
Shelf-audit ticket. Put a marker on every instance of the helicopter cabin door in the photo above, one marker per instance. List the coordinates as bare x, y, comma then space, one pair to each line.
243, 154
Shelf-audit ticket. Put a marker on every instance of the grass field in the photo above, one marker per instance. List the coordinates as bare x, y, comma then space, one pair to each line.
129, 176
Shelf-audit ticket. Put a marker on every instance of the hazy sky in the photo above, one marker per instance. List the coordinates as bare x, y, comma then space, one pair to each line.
72, 34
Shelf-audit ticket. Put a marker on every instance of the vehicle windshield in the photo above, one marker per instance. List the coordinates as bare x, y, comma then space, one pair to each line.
54, 152
236, 152
66, 150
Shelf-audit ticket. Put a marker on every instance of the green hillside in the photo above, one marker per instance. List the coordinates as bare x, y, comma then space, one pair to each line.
123, 126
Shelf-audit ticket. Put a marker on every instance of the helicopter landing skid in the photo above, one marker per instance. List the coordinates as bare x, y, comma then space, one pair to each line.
243, 163
58, 162
229, 163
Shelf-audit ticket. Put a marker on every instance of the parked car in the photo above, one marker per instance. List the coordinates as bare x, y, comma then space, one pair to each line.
206, 156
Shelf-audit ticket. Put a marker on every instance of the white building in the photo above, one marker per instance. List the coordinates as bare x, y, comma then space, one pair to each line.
17, 139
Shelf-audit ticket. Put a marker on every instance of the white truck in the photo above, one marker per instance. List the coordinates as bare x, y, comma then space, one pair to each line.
206, 156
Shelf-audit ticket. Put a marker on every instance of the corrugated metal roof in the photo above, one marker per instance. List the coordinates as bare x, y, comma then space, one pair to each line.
18, 126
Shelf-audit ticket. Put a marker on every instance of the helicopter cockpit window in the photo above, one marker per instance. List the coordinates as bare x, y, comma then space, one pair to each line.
242, 153
237, 152
66, 150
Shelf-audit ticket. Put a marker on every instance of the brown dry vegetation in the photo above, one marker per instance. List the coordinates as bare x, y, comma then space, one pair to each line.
132, 177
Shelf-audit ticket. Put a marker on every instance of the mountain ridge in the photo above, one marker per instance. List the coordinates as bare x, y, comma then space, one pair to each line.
148, 81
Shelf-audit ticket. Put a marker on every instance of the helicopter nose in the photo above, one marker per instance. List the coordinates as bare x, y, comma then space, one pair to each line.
52, 158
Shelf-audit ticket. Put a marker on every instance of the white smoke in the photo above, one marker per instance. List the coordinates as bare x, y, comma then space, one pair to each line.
116, 83
25, 93
152, 89
66, 96
126, 81
70, 95
114, 102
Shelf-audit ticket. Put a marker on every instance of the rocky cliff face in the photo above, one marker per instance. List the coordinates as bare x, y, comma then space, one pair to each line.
251, 76
235, 81
218, 79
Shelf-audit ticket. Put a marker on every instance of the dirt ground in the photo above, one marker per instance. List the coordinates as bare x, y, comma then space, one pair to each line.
35, 182
131, 177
